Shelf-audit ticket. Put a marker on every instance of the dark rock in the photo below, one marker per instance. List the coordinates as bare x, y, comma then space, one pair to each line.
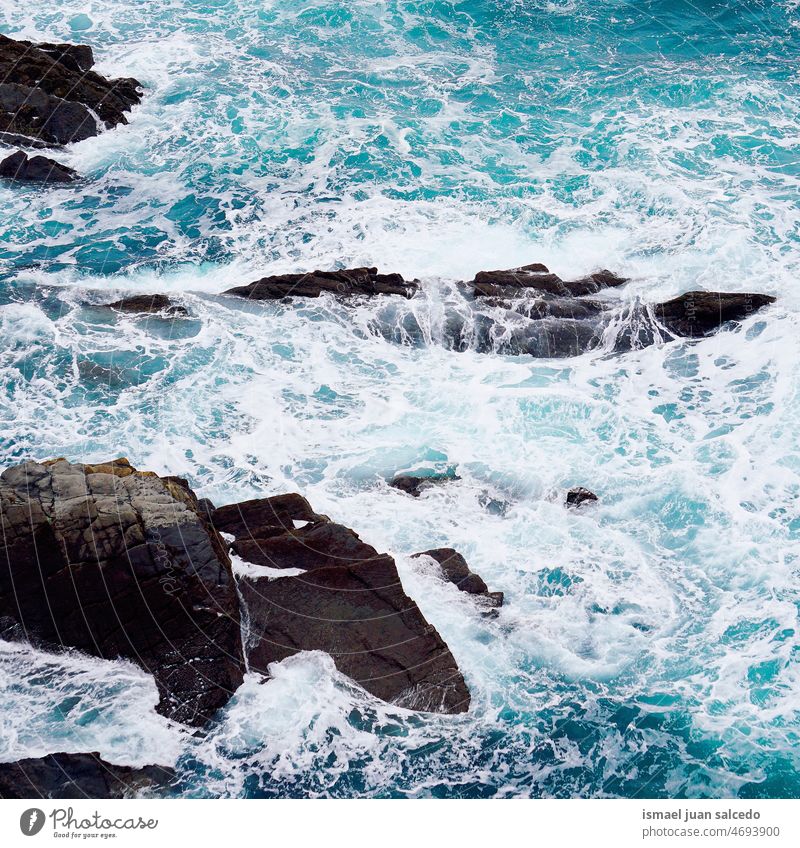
578, 495
49, 93
37, 169
416, 484
539, 308
349, 602
365, 281
31, 113
150, 304
121, 563
360, 615
77, 776
265, 534
698, 313
321, 545
539, 278
76, 57
260, 517
456, 571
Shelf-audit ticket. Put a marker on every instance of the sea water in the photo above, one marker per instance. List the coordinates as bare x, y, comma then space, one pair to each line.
649, 644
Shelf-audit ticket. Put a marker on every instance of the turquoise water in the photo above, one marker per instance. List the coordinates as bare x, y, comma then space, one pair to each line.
649, 647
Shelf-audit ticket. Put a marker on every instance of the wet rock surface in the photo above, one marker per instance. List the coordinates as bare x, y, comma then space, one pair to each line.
35, 169
578, 495
699, 313
348, 602
50, 95
521, 311
539, 278
147, 304
455, 570
352, 281
416, 484
69, 776
121, 563
360, 615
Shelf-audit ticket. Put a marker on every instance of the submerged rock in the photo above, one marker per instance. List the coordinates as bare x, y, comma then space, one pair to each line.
364, 281
578, 495
348, 602
456, 571
49, 94
36, 169
77, 776
121, 563
150, 304
416, 484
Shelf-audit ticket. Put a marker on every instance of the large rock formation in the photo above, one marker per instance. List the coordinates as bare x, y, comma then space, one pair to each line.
49, 95
348, 602
77, 776
35, 169
121, 563
365, 281
521, 311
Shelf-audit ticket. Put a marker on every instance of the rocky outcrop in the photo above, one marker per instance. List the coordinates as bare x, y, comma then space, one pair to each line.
539, 278
699, 313
578, 495
455, 570
363, 281
121, 563
520, 311
49, 95
416, 484
348, 601
147, 304
360, 615
66, 776
35, 169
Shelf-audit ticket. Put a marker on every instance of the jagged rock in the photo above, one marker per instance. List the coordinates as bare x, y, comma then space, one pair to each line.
77, 776
416, 484
121, 563
456, 570
698, 313
147, 304
264, 517
319, 545
539, 278
348, 602
578, 495
31, 113
76, 57
365, 281
36, 169
360, 615
47, 94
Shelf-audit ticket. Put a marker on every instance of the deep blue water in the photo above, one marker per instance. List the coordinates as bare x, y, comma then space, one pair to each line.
649, 647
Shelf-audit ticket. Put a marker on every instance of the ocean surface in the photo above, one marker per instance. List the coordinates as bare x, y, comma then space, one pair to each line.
649, 646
